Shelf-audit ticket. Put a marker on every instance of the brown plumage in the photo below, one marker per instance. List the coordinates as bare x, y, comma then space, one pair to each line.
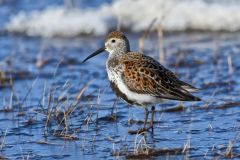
139, 79
116, 34
144, 75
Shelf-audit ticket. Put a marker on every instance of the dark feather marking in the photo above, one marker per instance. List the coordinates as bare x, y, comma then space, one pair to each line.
166, 85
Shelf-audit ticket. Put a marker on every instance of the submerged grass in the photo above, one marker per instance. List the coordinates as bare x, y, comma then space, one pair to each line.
68, 115
60, 108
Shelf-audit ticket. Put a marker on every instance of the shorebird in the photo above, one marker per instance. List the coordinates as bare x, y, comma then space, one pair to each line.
139, 79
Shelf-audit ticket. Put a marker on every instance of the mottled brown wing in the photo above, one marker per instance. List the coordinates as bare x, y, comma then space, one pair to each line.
144, 75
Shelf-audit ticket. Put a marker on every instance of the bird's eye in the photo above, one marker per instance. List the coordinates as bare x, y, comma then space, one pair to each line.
113, 41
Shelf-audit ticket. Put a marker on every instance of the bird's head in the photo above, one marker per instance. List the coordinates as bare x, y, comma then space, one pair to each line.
115, 44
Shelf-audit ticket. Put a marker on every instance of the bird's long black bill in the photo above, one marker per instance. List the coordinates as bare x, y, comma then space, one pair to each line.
94, 54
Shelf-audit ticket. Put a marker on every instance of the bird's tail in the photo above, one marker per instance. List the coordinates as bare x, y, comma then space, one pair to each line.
188, 87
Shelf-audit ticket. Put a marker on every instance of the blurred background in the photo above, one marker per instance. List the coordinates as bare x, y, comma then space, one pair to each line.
50, 19
54, 107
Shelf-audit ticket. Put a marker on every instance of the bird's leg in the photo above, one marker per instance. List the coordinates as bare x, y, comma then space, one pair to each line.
152, 119
144, 126
146, 118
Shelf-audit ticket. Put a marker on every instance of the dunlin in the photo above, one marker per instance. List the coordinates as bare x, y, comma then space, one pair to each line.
139, 79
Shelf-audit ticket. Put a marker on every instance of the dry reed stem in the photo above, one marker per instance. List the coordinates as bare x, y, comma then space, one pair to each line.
3, 140
141, 147
230, 65
145, 34
160, 39
229, 151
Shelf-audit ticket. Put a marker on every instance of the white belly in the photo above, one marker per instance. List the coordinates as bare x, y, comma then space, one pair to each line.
141, 99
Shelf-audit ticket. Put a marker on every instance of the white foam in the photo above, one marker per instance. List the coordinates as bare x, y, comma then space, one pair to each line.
59, 21
133, 15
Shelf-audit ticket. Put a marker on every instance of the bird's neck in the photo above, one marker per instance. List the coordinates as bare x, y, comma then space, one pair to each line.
115, 55
119, 52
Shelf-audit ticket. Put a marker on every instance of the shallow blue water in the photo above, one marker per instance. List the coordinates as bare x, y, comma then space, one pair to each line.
198, 58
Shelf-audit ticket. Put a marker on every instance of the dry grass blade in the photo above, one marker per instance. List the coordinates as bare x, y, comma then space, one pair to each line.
69, 137
141, 146
230, 65
82, 90
155, 153
40, 61
228, 105
160, 38
3, 140
145, 34
77, 100
28, 92
229, 150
